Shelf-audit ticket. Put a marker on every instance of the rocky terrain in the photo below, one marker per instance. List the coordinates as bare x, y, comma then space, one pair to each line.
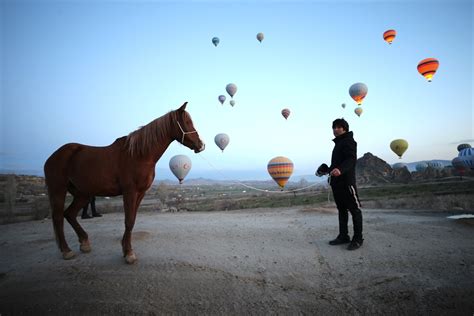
371, 170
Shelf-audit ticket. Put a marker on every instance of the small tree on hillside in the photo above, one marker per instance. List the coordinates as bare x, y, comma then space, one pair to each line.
162, 191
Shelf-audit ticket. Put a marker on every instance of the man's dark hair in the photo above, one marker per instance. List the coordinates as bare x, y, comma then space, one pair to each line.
341, 123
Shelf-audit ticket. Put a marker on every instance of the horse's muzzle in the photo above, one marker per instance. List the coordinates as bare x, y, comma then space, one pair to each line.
203, 146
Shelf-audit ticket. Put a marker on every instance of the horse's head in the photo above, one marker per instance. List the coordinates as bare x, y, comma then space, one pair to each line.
187, 134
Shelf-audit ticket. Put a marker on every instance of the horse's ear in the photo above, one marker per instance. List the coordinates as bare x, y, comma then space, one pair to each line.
183, 107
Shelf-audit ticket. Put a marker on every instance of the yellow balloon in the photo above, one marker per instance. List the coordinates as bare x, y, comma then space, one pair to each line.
280, 169
399, 146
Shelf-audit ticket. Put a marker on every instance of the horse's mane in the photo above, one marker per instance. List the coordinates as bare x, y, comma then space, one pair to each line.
142, 140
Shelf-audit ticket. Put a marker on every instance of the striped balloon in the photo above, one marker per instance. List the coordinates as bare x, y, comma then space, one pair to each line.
421, 166
467, 156
427, 68
389, 36
435, 165
280, 169
285, 113
463, 146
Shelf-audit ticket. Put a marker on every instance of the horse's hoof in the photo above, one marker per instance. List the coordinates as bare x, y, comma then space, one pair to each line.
85, 247
131, 259
68, 255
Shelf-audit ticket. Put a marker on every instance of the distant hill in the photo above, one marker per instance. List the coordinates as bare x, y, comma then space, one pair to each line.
370, 169
373, 170
26, 172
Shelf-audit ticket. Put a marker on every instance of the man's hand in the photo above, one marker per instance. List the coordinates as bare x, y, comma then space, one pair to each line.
335, 172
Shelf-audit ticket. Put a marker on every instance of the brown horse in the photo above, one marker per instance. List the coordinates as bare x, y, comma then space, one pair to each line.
126, 167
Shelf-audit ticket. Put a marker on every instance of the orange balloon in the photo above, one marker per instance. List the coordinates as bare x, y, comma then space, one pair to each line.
427, 68
280, 169
389, 36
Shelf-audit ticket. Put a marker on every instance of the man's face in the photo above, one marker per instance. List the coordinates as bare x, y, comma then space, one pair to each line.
338, 131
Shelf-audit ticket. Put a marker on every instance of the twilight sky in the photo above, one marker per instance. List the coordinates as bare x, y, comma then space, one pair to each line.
92, 71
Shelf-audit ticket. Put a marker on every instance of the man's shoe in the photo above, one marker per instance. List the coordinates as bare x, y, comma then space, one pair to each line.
97, 215
355, 244
340, 240
86, 216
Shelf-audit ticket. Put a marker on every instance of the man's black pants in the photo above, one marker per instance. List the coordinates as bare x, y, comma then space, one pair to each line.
85, 208
347, 200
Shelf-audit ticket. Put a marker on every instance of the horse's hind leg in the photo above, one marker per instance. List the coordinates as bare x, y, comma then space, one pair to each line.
57, 199
71, 216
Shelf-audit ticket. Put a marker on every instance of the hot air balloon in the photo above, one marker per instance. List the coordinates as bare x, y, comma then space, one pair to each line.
221, 140
358, 111
463, 146
435, 165
427, 68
358, 91
231, 89
285, 113
399, 165
215, 41
232, 102
343, 105
180, 166
459, 165
467, 156
389, 36
260, 37
399, 146
280, 169
421, 166
221, 99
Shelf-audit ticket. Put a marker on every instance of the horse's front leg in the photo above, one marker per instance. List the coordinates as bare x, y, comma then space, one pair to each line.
131, 201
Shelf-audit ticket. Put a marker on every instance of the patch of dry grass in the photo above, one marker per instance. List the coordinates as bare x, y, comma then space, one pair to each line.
449, 202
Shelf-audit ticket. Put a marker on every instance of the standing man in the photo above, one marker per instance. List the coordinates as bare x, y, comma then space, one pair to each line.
94, 211
343, 184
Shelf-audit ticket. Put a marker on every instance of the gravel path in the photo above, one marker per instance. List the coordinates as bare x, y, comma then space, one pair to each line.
263, 261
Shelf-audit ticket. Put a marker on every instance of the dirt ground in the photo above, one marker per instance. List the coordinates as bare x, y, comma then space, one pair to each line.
263, 261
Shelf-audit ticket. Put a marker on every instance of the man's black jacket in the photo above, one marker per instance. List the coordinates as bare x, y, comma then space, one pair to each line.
344, 157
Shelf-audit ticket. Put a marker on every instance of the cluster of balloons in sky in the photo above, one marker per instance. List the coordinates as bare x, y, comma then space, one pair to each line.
427, 67
358, 91
231, 89
280, 168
